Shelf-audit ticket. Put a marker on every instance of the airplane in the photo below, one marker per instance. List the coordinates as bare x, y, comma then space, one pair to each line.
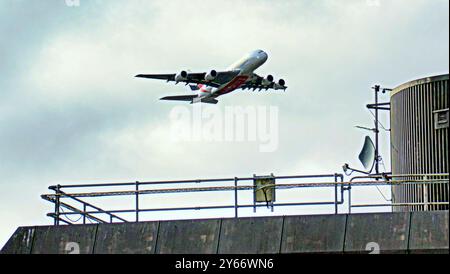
210, 85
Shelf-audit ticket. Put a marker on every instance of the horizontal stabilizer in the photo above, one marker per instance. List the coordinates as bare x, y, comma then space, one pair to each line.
210, 101
205, 100
179, 98
194, 87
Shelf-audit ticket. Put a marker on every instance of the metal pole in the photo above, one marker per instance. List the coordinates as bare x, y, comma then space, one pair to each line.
84, 214
57, 204
425, 195
335, 195
235, 198
377, 89
137, 201
254, 193
349, 199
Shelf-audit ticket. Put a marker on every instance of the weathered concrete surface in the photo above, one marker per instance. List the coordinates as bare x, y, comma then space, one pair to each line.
188, 237
63, 239
386, 231
313, 234
417, 232
429, 232
132, 238
250, 235
20, 242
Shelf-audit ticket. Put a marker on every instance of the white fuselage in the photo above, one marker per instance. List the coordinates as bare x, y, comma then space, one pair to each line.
245, 66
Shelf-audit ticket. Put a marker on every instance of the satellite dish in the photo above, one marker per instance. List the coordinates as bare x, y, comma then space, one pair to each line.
367, 154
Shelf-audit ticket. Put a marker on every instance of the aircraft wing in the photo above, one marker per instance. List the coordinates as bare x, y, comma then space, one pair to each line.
258, 82
221, 78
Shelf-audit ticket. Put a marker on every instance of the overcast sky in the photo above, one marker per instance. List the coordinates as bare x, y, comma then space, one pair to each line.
71, 110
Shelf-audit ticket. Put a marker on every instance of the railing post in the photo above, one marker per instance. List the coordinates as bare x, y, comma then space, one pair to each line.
84, 214
349, 198
57, 199
335, 195
137, 201
425, 194
254, 193
235, 197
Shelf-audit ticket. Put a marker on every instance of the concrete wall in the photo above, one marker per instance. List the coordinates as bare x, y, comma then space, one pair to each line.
403, 232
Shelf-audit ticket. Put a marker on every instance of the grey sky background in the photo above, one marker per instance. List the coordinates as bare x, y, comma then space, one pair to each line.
71, 110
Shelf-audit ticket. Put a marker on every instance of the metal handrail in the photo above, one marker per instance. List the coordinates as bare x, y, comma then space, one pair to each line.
194, 181
369, 180
59, 194
246, 187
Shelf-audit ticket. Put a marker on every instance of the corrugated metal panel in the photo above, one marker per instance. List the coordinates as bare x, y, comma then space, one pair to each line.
417, 146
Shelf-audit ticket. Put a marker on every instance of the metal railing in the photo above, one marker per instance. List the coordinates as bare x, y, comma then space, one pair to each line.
88, 211
424, 181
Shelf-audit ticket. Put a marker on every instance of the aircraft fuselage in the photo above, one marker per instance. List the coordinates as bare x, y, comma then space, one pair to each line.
246, 66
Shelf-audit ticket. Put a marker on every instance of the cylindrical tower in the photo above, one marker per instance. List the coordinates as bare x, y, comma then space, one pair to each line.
419, 139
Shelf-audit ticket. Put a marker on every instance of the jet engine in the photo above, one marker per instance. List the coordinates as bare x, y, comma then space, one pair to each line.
211, 75
268, 80
181, 76
281, 82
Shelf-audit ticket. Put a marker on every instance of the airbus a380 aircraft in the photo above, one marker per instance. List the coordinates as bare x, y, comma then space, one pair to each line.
209, 86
